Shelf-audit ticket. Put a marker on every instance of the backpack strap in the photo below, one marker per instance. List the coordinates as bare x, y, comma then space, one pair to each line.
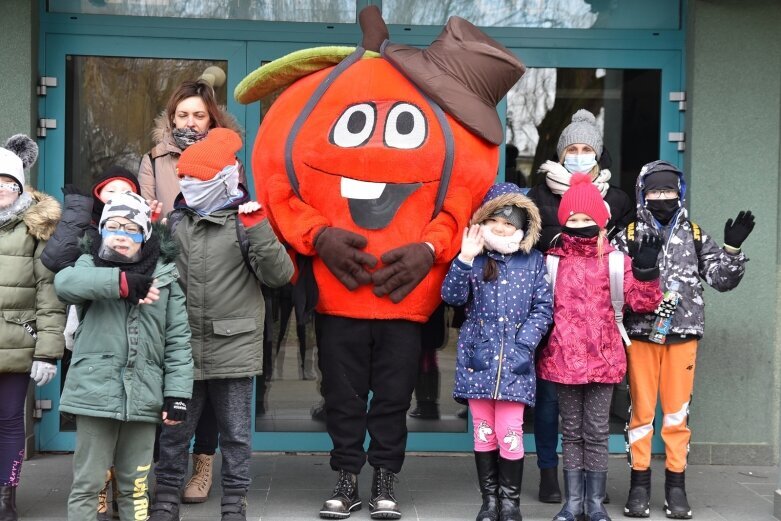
152, 161
697, 234
616, 267
552, 263
630, 232
241, 235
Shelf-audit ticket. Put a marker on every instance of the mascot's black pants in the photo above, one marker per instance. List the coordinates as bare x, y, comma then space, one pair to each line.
357, 356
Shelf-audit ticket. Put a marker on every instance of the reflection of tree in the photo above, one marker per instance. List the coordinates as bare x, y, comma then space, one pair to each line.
114, 102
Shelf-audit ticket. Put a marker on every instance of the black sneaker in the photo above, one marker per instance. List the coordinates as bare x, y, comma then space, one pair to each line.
345, 498
383, 502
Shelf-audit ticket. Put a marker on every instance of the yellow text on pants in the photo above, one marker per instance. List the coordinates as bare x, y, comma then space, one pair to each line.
666, 370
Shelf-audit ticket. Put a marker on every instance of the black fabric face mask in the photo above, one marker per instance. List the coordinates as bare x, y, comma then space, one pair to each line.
588, 232
663, 210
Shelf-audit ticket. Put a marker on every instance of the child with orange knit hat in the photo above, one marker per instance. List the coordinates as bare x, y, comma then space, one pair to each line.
221, 280
585, 353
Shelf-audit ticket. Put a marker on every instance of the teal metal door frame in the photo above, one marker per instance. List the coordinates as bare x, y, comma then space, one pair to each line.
245, 45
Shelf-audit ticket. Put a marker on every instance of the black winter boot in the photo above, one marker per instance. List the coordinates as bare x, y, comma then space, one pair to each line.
234, 504
488, 478
345, 498
638, 504
8, 504
573, 497
166, 505
510, 479
676, 506
596, 483
383, 502
549, 486
427, 396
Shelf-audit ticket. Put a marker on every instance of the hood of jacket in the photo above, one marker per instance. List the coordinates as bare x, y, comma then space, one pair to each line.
42, 217
505, 194
643, 214
162, 131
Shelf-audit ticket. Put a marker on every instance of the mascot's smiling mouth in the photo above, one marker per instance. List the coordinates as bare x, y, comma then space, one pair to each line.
373, 205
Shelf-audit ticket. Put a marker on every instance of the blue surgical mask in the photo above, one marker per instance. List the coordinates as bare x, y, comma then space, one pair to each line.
581, 163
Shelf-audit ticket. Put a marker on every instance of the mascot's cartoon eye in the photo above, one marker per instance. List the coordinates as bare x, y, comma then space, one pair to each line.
355, 126
405, 127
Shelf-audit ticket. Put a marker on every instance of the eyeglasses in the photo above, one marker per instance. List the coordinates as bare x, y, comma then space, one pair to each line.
114, 226
662, 194
11, 187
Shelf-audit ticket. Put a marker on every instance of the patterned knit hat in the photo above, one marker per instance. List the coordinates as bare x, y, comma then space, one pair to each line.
583, 129
132, 207
209, 156
583, 197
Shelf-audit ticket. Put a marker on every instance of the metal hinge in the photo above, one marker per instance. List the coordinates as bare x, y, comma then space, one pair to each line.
677, 137
44, 124
40, 406
680, 97
43, 83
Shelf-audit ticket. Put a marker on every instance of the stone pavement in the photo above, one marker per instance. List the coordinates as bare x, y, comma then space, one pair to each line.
292, 487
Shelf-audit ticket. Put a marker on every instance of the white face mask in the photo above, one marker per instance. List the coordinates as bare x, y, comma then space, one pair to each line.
580, 163
502, 244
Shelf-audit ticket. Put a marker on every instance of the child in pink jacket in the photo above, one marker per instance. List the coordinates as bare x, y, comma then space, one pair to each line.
585, 354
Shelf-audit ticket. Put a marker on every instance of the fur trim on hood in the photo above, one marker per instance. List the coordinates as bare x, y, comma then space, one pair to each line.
42, 217
164, 142
504, 194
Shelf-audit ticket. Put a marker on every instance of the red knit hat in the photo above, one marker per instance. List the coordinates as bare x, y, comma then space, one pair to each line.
583, 197
206, 158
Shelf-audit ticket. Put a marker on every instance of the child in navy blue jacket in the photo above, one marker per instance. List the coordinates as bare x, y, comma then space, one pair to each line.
503, 283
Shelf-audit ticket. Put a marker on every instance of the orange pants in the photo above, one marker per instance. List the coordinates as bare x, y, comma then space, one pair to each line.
666, 369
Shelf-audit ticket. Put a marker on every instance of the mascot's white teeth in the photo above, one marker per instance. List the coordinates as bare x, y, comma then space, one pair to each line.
353, 189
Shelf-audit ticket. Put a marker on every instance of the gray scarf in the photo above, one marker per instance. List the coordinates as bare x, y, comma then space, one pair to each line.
22, 203
207, 196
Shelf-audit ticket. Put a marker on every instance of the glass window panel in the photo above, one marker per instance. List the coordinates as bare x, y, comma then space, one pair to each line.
323, 11
111, 106
568, 14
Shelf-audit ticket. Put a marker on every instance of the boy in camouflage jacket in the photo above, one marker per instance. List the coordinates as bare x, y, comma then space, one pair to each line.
688, 256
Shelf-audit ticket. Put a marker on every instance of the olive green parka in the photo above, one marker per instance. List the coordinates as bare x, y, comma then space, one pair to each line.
27, 288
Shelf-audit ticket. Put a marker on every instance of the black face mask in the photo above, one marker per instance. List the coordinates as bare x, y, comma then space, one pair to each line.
589, 232
663, 210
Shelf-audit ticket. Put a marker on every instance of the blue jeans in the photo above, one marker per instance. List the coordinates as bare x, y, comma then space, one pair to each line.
546, 424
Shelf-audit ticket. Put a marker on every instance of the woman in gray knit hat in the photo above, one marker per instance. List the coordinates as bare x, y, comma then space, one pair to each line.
579, 149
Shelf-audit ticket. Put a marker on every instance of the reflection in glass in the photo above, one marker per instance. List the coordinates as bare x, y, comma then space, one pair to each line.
111, 106
324, 11
567, 14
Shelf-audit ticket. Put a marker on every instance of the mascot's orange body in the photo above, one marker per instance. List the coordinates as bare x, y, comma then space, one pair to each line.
369, 159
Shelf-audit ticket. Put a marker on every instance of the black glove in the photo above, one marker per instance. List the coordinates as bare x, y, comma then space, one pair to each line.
137, 286
341, 252
645, 252
175, 409
71, 189
737, 232
404, 268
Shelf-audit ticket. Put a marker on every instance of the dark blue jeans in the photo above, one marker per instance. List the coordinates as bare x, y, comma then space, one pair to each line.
546, 424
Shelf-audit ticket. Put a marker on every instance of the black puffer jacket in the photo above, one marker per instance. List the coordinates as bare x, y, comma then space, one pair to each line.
63, 249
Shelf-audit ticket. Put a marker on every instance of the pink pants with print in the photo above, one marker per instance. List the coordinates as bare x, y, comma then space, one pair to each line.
498, 424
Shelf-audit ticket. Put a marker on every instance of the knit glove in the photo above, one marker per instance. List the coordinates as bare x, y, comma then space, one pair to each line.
175, 409
43, 372
645, 257
736, 232
404, 268
134, 287
341, 252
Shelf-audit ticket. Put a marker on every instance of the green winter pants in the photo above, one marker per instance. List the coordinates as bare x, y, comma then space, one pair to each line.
100, 443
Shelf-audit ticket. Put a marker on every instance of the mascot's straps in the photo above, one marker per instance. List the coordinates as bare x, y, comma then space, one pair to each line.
307, 110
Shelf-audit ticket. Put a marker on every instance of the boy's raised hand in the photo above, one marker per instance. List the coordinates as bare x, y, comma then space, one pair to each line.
472, 243
646, 252
738, 231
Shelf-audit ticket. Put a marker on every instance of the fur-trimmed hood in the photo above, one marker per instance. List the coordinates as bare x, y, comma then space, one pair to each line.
42, 216
504, 194
161, 133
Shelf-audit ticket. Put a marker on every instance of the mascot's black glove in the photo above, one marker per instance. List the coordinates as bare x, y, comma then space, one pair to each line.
175, 409
737, 232
645, 257
341, 252
134, 286
404, 268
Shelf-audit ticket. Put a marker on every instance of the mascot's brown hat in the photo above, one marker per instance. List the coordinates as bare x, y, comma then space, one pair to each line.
464, 71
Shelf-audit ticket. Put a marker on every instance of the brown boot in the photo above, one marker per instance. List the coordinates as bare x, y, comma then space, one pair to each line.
197, 489
103, 513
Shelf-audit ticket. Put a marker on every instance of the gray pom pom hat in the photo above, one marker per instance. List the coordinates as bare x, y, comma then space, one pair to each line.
583, 129
18, 154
